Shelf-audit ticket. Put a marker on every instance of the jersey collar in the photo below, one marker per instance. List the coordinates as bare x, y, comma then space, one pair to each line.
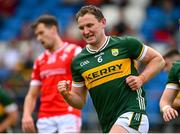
100, 49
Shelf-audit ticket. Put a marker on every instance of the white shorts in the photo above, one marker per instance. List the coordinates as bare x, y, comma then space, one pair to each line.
68, 123
133, 122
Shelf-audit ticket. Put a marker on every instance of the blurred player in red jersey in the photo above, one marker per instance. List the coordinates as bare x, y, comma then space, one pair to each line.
53, 65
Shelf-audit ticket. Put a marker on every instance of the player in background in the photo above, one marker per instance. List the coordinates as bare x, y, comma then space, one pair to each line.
106, 68
53, 65
8, 112
170, 99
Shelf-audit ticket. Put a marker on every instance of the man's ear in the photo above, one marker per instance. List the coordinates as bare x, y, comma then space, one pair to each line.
103, 22
54, 28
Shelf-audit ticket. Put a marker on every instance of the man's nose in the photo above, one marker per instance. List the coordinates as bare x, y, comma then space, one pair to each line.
86, 30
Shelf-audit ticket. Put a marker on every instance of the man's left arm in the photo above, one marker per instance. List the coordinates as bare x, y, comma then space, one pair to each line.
154, 63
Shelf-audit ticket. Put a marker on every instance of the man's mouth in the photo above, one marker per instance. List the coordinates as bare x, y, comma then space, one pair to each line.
88, 36
42, 42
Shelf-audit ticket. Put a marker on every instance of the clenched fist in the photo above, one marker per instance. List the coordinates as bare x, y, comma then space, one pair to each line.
134, 82
64, 87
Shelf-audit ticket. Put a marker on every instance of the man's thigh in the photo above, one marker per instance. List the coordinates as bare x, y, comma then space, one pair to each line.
62, 124
133, 122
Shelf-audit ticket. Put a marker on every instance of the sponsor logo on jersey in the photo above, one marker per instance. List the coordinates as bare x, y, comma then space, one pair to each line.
84, 63
115, 52
51, 72
107, 72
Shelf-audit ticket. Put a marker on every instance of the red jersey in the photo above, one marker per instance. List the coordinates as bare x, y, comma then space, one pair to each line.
49, 69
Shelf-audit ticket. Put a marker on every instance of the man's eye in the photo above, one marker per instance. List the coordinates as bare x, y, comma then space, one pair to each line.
81, 28
89, 25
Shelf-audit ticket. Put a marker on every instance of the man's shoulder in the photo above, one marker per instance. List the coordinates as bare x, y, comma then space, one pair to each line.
126, 39
175, 67
176, 64
80, 54
72, 48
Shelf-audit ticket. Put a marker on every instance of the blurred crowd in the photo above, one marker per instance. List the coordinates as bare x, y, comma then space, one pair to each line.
155, 22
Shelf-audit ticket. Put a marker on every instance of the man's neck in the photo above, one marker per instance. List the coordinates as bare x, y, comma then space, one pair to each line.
99, 45
57, 44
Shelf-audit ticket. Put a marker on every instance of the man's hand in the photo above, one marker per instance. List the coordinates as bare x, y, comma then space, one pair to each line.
64, 87
28, 124
134, 82
169, 113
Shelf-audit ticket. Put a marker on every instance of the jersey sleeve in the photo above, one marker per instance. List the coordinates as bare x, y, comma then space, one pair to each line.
137, 50
173, 80
178, 95
35, 76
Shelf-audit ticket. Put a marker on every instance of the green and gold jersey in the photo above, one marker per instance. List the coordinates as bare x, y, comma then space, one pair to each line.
6, 104
104, 73
174, 76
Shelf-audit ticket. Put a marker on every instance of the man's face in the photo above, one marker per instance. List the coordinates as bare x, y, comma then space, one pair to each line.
91, 29
168, 64
44, 35
169, 61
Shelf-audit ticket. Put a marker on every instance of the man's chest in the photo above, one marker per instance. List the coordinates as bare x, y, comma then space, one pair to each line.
109, 59
51, 65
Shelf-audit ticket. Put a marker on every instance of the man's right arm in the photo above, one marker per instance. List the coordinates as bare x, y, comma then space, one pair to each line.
29, 105
166, 101
76, 97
